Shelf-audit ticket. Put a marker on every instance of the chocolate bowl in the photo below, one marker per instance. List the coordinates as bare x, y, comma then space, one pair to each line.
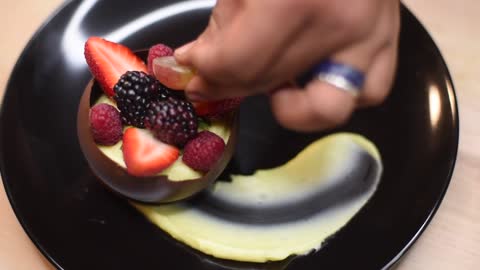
152, 189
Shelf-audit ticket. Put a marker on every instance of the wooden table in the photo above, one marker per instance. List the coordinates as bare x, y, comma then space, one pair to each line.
452, 241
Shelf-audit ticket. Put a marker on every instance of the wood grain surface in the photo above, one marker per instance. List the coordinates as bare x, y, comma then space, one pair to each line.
451, 241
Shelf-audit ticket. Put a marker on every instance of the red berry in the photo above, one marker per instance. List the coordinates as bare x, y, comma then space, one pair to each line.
213, 109
202, 152
105, 124
108, 61
158, 50
172, 121
144, 155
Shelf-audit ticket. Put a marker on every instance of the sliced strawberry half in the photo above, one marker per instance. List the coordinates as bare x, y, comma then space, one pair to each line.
144, 155
108, 61
217, 108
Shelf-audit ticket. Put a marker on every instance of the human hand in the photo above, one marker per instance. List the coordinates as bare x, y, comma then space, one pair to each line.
254, 46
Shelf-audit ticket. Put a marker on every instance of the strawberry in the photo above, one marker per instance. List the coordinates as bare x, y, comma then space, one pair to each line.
214, 109
108, 61
155, 51
144, 155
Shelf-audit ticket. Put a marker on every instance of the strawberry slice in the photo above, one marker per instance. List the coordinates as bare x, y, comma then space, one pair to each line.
108, 61
144, 155
214, 109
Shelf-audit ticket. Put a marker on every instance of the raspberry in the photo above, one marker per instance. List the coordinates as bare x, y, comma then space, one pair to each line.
105, 124
158, 50
202, 152
172, 121
134, 92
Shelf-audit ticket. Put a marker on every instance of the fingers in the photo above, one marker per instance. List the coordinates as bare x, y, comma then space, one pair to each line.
321, 105
318, 106
195, 90
225, 12
380, 77
381, 73
246, 50
242, 52
239, 50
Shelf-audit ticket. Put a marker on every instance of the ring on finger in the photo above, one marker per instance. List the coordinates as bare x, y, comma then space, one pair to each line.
340, 75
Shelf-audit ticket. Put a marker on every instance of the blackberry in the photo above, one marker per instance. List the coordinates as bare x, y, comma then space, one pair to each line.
134, 92
172, 121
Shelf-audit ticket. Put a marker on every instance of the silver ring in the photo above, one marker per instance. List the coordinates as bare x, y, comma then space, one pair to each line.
340, 75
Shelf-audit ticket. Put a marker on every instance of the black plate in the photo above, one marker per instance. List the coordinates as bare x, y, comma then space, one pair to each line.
77, 224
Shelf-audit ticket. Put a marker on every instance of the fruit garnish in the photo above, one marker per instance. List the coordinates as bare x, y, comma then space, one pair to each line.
172, 121
108, 61
105, 124
202, 152
144, 155
217, 108
170, 73
155, 51
134, 92
143, 168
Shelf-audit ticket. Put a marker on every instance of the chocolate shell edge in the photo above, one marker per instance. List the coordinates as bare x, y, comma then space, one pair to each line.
152, 189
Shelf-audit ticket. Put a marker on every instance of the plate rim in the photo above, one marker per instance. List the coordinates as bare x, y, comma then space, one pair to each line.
453, 98
6, 187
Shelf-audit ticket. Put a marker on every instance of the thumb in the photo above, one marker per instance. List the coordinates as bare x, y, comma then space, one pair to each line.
182, 54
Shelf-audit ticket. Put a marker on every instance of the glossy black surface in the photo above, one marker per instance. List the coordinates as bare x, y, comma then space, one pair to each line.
358, 177
78, 224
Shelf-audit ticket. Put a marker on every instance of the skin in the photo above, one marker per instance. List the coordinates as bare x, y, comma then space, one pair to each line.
256, 46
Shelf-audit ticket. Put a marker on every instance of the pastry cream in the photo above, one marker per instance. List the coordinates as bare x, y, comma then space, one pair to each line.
313, 173
178, 171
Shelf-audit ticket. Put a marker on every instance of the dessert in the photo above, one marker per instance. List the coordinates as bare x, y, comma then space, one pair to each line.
144, 139
133, 128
